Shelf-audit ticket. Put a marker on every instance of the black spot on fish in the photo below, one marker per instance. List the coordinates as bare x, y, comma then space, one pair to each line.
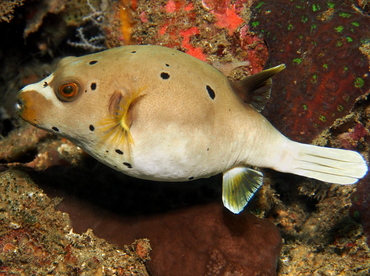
190, 178
93, 62
93, 86
107, 151
55, 129
128, 165
167, 65
133, 52
91, 127
45, 84
165, 75
211, 92
119, 151
207, 149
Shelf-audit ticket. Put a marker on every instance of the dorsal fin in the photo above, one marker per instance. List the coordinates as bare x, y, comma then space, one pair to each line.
255, 90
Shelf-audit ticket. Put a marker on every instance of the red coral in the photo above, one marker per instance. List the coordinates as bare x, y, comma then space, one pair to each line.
359, 132
181, 13
255, 49
191, 50
226, 14
229, 20
173, 27
218, 33
175, 6
350, 140
171, 6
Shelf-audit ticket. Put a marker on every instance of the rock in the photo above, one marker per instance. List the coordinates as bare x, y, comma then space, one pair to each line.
197, 238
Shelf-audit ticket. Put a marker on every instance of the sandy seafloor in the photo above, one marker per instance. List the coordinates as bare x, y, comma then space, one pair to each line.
52, 193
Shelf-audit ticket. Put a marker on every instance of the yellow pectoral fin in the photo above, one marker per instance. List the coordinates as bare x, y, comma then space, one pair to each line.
238, 187
116, 127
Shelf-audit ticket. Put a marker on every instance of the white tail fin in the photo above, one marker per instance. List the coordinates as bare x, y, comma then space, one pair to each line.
326, 164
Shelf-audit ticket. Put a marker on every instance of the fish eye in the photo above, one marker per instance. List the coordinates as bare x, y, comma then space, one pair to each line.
68, 91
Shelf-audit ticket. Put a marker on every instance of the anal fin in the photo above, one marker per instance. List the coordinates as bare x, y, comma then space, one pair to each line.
238, 187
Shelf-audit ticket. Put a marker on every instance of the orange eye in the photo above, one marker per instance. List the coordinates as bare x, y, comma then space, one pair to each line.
68, 91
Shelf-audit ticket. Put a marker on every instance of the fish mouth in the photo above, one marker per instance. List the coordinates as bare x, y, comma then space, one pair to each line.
19, 106
26, 106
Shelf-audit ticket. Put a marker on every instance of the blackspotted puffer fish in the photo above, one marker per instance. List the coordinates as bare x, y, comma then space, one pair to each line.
156, 113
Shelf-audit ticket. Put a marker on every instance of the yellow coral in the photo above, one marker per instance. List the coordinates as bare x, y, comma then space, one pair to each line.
126, 21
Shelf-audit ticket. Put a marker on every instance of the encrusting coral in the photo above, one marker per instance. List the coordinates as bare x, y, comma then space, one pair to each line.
7, 9
326, 70
37, 240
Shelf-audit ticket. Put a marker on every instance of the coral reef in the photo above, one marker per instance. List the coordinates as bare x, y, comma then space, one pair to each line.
38, 15
359, 137
7, 8
51, 153
197, 240
37, 240
324, 89
360, 209
213, 31
326, 71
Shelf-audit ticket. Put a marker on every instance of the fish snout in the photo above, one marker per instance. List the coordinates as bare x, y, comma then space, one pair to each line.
27, 106
19, 105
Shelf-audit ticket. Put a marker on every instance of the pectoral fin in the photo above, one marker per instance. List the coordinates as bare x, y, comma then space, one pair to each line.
238, 187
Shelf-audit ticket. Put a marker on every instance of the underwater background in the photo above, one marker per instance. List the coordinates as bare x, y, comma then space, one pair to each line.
63, 213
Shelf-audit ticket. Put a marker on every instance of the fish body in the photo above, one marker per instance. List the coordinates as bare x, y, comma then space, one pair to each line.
159, 114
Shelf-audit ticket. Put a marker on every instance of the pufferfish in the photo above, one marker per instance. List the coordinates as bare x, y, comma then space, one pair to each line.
159, 114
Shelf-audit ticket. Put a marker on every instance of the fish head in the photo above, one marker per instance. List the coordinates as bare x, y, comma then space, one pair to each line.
67, 102
83, 101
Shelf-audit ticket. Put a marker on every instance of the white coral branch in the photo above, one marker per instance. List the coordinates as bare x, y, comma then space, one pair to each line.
91, 44
95, 43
